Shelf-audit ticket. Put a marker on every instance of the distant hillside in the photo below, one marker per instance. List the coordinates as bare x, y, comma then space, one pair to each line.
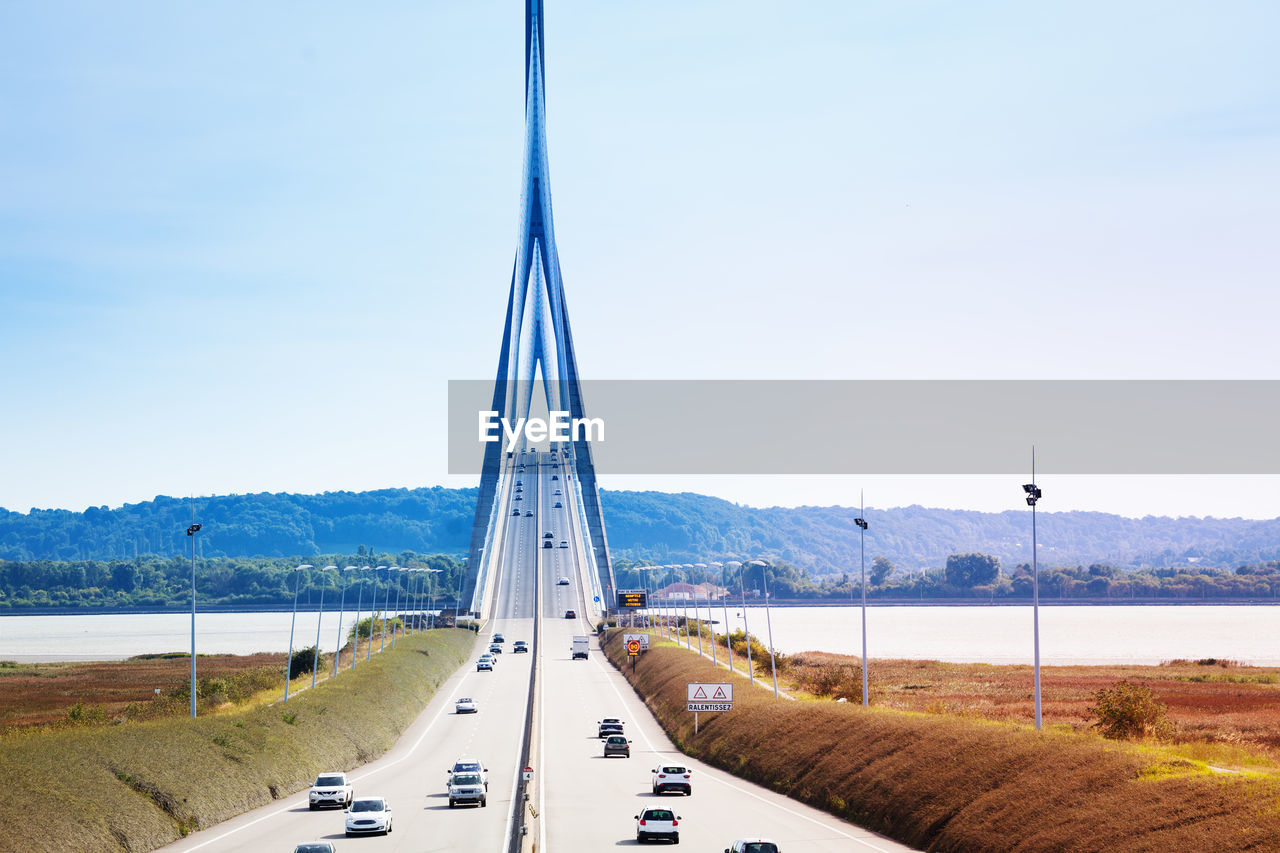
641, 525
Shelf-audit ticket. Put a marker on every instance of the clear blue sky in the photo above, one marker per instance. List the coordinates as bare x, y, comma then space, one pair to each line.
243, 247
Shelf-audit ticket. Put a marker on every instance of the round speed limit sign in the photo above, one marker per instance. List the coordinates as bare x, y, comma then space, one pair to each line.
633, 647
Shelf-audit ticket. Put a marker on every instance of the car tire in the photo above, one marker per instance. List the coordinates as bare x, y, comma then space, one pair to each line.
484, 802
311, 806
676, 839
451, 804
640, 839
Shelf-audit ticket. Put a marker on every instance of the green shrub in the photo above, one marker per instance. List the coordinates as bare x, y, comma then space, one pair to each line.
303, 662
1126, 710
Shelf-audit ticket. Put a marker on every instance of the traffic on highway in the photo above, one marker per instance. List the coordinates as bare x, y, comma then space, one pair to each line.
603, 772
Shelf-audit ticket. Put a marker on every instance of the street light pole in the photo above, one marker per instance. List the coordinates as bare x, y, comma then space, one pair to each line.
769, 622
398, 587
1034, 494
862, 547
751, 669
724, 600
288, 664
342, 607
315, 663
191, 533
431, 607
355, 640
386, 604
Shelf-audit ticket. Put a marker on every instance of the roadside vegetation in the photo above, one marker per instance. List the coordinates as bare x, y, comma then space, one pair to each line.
139, 785
948, 779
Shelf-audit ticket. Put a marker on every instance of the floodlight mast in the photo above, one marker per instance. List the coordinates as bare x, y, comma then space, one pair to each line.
1034, 494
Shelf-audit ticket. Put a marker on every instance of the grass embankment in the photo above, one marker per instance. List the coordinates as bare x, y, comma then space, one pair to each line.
136, 786
959, 784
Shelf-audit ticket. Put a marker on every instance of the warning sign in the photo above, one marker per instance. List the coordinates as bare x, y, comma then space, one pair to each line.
709, 697
642, 639
633, 647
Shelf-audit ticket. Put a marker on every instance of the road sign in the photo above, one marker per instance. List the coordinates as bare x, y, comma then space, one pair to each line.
527, 773
632, 598
633, 647
596, 599
708, 697
642, 639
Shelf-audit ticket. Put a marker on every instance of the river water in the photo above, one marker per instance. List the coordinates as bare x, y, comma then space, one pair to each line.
997, 634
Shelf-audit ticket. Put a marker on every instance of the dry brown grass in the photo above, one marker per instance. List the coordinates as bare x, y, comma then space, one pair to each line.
962, 783
1207, 703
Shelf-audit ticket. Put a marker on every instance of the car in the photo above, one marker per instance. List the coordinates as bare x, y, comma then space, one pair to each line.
528, 513
555, 476
467, 788
369, 815
672, 777
546, 543
465, 705
562, 581
564, 544
519, 646
609, 723
499, 637
485, 664
657, 823
571, 614
558, 493
519, 497
314, 847
617, 745
330, 789
515, 512
495, 648
519, 483
753, 845
559, 505
548, 535
470, 765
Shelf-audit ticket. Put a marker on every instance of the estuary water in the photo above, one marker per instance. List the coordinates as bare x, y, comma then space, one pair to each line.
995, 634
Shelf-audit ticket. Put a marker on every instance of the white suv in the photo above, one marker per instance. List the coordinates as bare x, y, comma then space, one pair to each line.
657, 823
672, 777
467, 788
753, 845
470, 765
330, 789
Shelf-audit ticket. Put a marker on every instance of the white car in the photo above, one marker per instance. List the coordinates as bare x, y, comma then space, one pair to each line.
467, 788
485, 663
369, 815
753, 845
330, 789
657, 823
314, 847
465, 705
563, 581
469, 765
672, 777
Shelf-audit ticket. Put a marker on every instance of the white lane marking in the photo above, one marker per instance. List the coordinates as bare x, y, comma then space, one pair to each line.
287, 809
742, 790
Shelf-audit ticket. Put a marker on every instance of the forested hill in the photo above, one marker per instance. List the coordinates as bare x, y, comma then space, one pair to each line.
641, 525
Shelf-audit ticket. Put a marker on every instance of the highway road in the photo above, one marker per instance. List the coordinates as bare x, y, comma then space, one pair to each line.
586, 802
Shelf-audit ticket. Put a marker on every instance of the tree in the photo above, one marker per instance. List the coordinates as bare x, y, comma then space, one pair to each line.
969, 570
881, 568
1127, 710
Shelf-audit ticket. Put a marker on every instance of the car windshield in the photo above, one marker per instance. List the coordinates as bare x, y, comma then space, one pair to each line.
617, 739
329, 781
367, 806
760, 847
467, 767
464, 701
673, 770
658, 814
313, 848
466, 778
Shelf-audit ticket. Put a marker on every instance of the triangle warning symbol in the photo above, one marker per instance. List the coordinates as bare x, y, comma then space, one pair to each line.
699, 693
719, 694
